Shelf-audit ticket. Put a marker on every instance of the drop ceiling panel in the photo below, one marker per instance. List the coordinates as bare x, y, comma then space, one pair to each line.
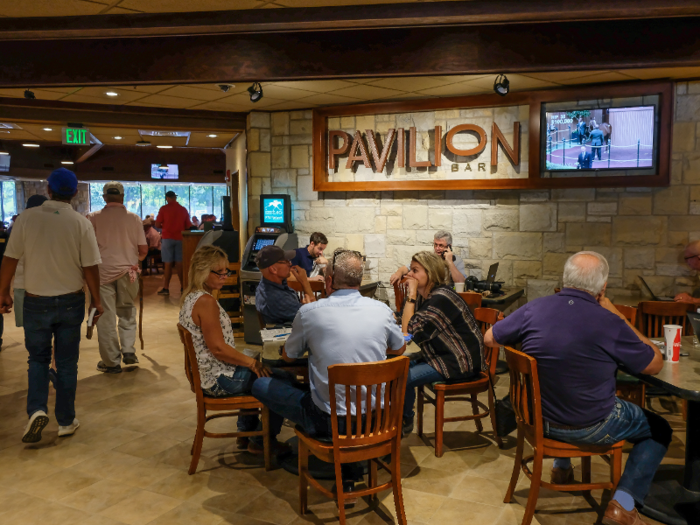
413, 83
367, 92
194, 93
284, 93
165, 101
203, 140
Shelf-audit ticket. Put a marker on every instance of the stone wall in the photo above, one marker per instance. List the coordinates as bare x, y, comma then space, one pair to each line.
640, 230
25, 189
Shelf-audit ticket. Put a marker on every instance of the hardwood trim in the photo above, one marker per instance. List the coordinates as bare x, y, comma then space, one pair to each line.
341, 17
535, 99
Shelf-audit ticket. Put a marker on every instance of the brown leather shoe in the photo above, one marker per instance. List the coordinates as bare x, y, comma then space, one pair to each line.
242, 443
562, 476
616, 515
278, 449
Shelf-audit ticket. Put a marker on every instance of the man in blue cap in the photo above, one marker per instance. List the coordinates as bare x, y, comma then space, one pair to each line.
60, 253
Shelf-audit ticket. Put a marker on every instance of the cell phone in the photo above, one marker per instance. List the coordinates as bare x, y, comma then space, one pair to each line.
91, 323
454, 257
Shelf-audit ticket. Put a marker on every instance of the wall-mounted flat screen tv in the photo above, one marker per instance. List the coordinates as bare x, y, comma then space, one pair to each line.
164, 171
608, 138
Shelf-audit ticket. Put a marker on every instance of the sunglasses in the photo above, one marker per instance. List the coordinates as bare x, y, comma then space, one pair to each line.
224, 273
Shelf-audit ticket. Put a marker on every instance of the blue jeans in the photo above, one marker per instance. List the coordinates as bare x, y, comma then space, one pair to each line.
295, 404
419, 373
650, 434
57, 320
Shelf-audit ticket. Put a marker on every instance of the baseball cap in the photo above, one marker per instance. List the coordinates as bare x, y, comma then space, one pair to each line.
171, 194
63, 182
113, 188
270, 255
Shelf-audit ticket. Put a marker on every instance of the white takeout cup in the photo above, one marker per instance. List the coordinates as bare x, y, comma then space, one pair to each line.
671, 333
459, 287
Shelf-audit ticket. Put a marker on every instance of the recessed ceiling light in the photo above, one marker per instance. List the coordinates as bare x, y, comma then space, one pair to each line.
48, 129
69, 162
111, 93
117, 137
164, 147
212, 136
30, 145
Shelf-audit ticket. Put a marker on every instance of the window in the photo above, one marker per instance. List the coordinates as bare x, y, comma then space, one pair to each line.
8, 200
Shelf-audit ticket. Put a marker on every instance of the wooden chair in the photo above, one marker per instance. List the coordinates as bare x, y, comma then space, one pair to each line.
231, 290
233, 406
464, 391
473, 299
369, 437
317, 287
653, 315
525, 397
400, 291
630, 313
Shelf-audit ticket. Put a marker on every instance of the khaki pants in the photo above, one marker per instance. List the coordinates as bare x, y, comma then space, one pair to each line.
118, 301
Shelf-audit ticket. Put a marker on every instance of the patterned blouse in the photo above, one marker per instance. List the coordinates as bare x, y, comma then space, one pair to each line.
210, 368
448, 335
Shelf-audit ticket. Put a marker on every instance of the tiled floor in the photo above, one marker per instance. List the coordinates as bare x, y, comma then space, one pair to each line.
127, 464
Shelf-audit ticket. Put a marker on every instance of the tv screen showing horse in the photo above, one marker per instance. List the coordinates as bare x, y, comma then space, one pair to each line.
600, 139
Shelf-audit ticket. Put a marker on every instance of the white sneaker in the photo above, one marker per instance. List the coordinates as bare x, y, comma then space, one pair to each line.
68, 430
37, 423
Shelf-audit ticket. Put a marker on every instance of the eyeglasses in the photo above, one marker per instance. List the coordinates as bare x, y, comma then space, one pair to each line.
437, 245
223, 274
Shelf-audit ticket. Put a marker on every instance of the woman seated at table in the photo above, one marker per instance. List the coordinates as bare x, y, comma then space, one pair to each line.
223, 370
452, 347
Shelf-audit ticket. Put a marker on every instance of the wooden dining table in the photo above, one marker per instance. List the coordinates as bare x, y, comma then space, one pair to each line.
674, 497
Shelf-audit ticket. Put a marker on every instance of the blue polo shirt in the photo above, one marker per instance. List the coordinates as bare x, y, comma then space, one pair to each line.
578, 345
278, 303
304, 260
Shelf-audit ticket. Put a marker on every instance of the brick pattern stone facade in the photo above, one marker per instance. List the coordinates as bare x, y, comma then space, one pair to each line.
641, 231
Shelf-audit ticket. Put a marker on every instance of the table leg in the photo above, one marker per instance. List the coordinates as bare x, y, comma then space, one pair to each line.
674, 497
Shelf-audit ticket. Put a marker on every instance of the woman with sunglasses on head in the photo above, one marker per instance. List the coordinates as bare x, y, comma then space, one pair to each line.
223, 370
441, 324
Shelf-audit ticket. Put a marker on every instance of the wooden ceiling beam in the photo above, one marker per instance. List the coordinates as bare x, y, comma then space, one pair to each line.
341, 18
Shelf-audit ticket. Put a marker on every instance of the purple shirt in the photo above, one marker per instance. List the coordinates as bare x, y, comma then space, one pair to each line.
578, 345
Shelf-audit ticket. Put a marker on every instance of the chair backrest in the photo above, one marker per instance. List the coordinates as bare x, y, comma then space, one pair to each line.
525, 393
653, 315
630, 313
379, 416
191, 366
317, 287
400, 291
473, 299
487, 317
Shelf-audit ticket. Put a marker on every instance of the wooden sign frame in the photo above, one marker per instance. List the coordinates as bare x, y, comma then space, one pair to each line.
535, 100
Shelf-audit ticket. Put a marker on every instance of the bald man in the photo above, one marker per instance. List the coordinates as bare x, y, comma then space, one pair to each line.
691, 254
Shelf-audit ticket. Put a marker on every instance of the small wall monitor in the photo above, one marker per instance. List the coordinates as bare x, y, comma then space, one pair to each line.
276, 210
4, 163
164, 171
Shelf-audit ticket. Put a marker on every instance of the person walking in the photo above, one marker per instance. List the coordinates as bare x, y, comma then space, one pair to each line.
60, 253
172, 219
122, 244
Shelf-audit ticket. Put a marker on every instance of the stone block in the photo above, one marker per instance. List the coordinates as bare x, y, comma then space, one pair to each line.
440, 219
691, 168
480, 248
300, 157
534, 196
587, 233
264, 140
683, 137
305, 228
375, 245
671, 201
537, 288
283, 178
519, 246
354, 220
669, 256
415, 217
300, 127
527, 270
253, 139
613, 256
554, 242
401, 237
467, 222
259, 164
595, 218
634, 205
259, 119
641, 258
380, 224
500, 219
254, 186
677, 239
680, 223
573, 194
355, 241
572, 212
391, 209
538, 217
279, 157
602, 208
553, 263
426, 237
674, 270
394, 223
687, 109
640, 231
305, 190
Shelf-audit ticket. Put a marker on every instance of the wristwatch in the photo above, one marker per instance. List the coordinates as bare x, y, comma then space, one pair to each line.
409, 300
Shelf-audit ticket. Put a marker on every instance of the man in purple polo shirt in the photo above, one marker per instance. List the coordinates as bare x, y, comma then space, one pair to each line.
579, 340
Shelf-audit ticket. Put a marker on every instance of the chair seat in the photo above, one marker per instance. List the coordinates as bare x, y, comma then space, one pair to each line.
481, 382
234, 402
627, 379
552, 447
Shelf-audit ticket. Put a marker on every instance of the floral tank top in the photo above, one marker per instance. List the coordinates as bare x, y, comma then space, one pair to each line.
210, 368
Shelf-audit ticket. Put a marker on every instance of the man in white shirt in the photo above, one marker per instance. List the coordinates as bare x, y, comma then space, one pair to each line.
60, 254
122, 244
342, 328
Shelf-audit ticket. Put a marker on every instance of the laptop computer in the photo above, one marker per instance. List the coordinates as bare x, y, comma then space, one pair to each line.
491, 276
645, 286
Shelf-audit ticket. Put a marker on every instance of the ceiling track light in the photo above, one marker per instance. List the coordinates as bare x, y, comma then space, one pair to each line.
256, 92
28, 94
501, 85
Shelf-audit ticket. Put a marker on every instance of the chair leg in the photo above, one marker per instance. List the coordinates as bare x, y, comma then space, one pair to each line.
516, 467
586, 472
685, 410
536, 480
419, 410
475, 411
340, 495
396, 486
266, 436
439, 421
616, 468
303, 472
198, 439
492, 414
372, 478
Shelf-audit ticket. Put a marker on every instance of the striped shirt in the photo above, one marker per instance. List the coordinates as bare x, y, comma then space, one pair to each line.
448, 335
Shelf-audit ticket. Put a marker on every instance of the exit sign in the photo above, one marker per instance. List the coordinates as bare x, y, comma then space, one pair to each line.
76, 136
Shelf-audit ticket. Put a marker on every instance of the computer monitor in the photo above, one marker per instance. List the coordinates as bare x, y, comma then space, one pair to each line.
276, 211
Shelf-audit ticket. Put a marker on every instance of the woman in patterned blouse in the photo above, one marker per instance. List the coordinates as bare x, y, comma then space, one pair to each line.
452, 348
223, 370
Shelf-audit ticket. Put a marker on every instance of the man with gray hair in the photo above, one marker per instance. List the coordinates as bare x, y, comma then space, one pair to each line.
342, 328
579, 340
442, 245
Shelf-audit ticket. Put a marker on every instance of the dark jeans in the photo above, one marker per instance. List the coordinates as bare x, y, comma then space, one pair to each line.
57, 320
419, 373
650, 434
597, 150
295, 404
